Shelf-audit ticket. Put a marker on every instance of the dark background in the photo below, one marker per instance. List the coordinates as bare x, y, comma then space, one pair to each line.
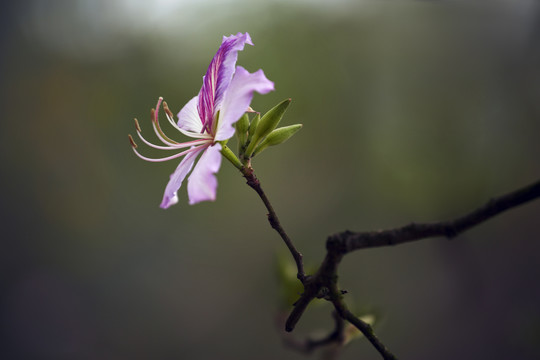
412, 111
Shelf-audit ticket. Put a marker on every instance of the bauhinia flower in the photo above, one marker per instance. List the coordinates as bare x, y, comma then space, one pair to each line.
224, 97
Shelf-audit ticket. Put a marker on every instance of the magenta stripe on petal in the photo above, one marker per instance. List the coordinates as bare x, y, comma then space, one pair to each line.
218, 76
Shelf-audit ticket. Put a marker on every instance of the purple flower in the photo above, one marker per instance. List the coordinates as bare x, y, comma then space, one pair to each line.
225, 96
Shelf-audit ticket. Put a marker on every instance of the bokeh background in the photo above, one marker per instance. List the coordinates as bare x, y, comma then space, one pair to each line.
412, 111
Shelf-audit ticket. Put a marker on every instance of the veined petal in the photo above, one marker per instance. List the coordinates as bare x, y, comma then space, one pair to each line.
177, 177
188, 117
237, 99
218, 77
202, 183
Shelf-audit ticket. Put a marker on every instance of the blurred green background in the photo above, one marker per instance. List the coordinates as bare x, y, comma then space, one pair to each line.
412, 111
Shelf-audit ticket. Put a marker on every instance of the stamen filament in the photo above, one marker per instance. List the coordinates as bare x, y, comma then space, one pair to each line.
173, 146
169, 115
160, 99
169, 157
160, 134
195, 135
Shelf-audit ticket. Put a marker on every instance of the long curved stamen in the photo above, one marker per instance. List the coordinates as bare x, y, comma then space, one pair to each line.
172, 147
168, 157
169, 115
196, 135
159, 100
157, 129
168, 147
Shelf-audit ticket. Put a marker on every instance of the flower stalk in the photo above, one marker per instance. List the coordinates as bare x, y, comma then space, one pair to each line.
229, 155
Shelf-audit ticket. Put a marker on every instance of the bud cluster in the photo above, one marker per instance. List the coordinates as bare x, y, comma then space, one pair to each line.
257, 134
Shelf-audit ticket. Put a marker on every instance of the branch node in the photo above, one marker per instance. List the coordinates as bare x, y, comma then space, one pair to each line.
336, 243
323, 293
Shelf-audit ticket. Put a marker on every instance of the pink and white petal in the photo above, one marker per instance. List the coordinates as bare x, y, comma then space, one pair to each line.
188, 117
237, 99
170, 196
202, 183
219, 75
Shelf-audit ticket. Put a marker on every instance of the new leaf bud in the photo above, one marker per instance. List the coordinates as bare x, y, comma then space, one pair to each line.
277, 136
253, 126
268, 122
242, 125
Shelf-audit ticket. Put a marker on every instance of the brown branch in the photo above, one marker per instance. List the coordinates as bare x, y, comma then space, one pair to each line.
273, 219
325, 280
323, 284
350, 241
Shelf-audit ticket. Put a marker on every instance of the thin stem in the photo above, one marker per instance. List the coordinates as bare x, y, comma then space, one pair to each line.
366, 329
254, 183
229, 155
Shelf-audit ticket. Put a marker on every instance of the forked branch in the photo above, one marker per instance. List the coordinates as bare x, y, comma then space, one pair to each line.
323, 284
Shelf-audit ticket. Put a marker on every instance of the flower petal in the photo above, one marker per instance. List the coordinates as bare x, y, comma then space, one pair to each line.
218, 76
237, 99
177, 177
202, 183
188, 117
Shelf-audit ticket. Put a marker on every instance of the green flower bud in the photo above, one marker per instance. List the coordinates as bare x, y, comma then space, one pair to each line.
268, 122
251, 131
253, 126
277, 137
242, 126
